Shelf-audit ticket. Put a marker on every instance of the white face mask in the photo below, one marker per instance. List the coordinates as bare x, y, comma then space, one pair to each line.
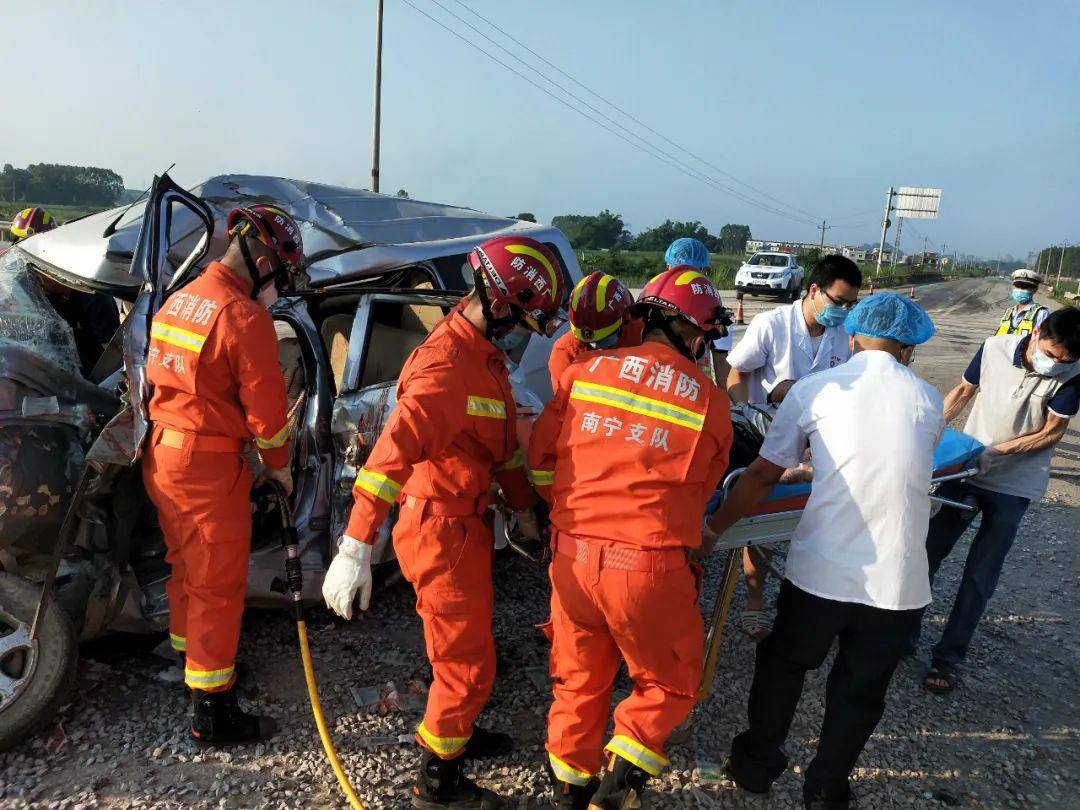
1048, 366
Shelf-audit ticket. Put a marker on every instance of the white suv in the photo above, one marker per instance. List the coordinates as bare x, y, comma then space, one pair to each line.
771, 274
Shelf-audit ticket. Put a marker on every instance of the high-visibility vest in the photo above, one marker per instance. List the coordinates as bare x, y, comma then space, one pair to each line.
1027, 322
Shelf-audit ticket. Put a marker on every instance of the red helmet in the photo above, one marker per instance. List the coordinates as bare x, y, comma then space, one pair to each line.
688, 293
30, 221
599, 305
275, 229
524, 274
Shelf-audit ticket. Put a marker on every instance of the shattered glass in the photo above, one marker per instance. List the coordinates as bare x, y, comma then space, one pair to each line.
27, 319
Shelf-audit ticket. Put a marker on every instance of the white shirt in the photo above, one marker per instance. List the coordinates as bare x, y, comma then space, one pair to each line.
872, 427
777, 347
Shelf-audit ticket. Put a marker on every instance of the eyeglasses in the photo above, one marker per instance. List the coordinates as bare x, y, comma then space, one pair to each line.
841, 302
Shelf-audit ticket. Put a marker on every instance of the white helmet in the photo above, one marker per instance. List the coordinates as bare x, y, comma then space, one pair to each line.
1028, 276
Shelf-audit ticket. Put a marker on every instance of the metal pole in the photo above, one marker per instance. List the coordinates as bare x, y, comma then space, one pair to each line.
377, 118
822, 228
896, 244
884, 227
1061, 261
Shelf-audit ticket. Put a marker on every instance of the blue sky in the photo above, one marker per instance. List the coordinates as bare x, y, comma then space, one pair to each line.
821, 104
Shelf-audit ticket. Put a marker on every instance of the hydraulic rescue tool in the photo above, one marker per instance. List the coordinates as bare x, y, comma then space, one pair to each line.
294, 578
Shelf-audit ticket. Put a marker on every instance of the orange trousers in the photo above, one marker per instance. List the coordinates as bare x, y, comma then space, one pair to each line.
447, 557
203, 502
601, 615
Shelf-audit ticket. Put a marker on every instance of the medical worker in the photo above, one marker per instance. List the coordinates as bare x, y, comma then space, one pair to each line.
778, 349
627, 454
857, 568
452, 429
1025, 315
212, 362
599, 319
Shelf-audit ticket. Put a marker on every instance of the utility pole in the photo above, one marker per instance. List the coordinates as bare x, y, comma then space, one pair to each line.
1061, 261
377, 118
822, 227
884, 227
896, 244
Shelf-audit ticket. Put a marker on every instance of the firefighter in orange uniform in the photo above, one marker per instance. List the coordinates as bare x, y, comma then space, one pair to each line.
627, 454
454, 427
599, 319
212, 361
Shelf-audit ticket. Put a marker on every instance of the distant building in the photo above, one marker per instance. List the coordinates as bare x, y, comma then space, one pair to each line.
797, 248
856, 254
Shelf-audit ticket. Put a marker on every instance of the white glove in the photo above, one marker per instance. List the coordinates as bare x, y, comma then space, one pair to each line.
349, 572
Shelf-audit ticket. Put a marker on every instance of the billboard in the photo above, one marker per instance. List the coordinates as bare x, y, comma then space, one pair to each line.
917, 203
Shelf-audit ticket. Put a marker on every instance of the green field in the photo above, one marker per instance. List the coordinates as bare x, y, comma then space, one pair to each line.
64, 213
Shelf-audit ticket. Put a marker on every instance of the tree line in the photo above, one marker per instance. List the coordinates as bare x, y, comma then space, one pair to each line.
1051, 258
607, 231
59, 184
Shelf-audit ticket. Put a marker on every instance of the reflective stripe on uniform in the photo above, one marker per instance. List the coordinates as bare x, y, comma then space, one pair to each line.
445, 747
377, 484
176, 336
516, 460
637, 754
207, 679
635, 403
484, 406
568, 773
277, 440
179, 643
542, 478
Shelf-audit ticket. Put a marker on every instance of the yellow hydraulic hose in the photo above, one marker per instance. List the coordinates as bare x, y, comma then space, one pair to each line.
320, 721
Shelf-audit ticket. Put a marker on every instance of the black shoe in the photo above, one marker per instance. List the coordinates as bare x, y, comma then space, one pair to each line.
621, 787
217, 719
567, 796
484, 743
442, 783
755, 786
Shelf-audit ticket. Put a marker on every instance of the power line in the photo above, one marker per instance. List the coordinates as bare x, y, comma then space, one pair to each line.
650, 149
616, 107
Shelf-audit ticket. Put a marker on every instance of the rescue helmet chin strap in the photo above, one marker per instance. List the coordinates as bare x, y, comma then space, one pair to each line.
656, 319
495, 327
258, 280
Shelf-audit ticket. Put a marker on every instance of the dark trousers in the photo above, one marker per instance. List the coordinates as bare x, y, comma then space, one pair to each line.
872, 641
1001, 515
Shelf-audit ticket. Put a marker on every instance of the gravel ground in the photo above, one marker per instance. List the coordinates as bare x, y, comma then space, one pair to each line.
1007, 738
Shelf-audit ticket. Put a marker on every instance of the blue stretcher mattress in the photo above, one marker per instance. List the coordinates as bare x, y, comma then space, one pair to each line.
955, 450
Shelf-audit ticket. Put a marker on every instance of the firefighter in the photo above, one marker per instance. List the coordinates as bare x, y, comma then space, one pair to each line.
627, 455
454, 427
1025, 315
599, 319
212, 361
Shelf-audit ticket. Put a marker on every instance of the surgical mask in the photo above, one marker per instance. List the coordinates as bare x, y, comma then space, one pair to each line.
513, 339
1048, 366
831, 316
1022, 296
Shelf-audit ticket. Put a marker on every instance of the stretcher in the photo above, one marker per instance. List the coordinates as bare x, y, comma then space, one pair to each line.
955, 459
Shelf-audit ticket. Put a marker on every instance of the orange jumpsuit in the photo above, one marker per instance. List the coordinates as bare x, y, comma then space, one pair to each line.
568, 349
452, 428
627, 453
212, 360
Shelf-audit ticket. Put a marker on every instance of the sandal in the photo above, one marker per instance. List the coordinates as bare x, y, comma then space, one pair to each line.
945, 675
755, 623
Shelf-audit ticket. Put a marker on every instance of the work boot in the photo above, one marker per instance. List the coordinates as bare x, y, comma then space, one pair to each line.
484, 743
442, 783
217, 719
621, 787
567, 796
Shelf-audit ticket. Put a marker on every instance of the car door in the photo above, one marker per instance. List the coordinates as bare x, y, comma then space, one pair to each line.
173, 219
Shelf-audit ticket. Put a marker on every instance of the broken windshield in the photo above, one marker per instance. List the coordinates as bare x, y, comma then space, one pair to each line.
27, 319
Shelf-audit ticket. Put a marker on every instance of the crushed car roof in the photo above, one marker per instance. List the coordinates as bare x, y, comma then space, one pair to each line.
348, 233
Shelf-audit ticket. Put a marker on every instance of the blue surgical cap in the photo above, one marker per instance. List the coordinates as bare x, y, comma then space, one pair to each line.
687, 251
892, 316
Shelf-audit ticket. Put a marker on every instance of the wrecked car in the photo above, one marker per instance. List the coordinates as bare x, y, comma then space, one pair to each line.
381, 272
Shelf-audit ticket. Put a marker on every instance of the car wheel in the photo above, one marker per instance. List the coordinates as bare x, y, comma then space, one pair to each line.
33, 682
